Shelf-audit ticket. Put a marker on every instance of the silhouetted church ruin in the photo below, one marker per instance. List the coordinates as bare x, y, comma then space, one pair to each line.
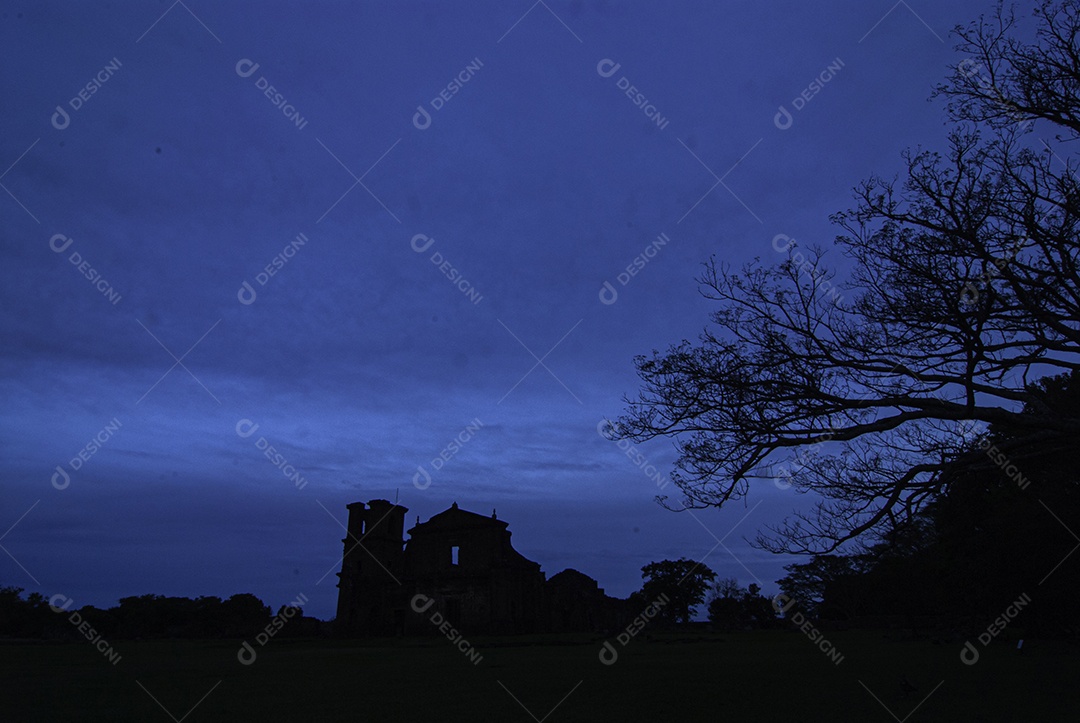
462, 565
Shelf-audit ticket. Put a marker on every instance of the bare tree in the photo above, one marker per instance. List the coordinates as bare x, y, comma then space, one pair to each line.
963, 289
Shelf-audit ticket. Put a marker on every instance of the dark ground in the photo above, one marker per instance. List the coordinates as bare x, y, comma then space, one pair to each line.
759, 676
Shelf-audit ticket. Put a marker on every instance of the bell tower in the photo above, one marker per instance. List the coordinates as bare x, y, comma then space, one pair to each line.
368, 584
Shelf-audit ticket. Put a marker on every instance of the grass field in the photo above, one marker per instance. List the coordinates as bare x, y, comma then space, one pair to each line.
762, 676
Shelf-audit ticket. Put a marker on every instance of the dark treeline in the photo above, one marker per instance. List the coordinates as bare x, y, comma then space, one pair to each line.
992, 550
997, 536
146, 616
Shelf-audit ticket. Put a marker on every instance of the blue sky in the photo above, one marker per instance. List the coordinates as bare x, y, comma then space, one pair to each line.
177, 180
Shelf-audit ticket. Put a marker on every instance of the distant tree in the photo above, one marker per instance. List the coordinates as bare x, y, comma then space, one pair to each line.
725, 587
154, 616
11, 609
102, 621
732, 607
138, 617
760, 612
210, 619
725, 605
27, 618
683, 581
244, 613
298, 625
805, 584
15, 613
143, 616
964, 286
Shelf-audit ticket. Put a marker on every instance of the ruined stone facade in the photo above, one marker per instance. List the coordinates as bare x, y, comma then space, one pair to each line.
461, 565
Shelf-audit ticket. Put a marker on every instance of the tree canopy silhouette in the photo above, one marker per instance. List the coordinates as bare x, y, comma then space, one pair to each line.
963, 287
683, 582
142, 616
989, 538
735, 608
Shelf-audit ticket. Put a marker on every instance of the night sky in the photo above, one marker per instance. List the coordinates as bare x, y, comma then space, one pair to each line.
385, 232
